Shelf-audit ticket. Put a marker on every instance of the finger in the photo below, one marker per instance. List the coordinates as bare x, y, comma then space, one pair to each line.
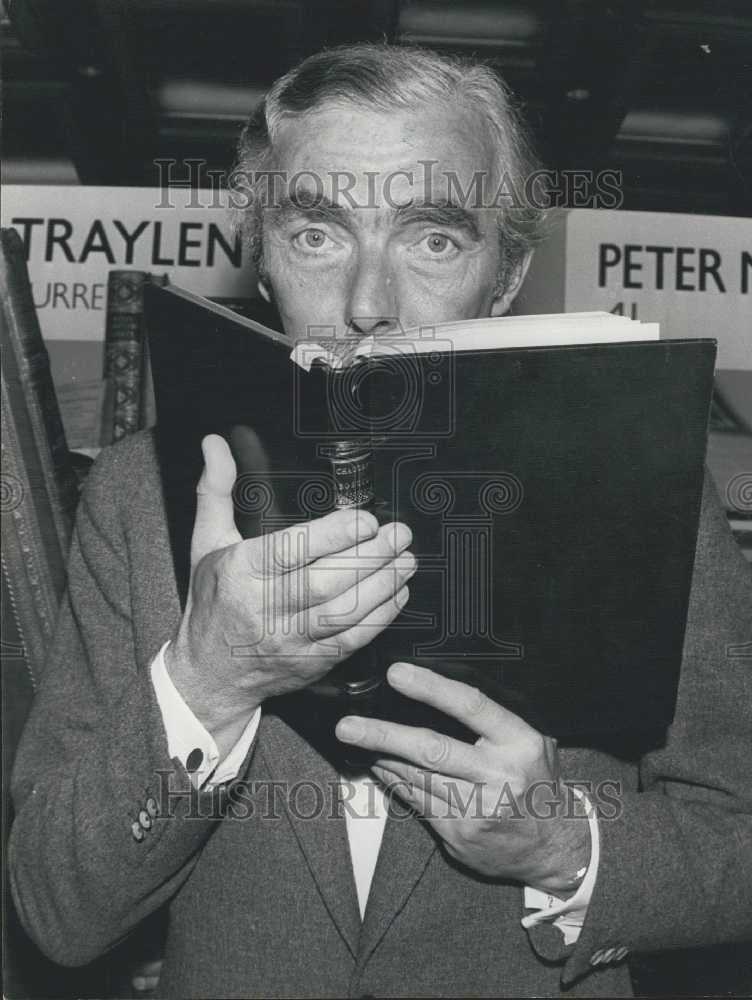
291, 548
214, 525
351, 607
250, 449
290, 594
467, 704
466, 797
394, 784
432, 809
372, 625
333, 575
422, 747
254, 479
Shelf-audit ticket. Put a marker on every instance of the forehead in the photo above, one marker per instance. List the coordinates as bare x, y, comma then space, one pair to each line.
402, 152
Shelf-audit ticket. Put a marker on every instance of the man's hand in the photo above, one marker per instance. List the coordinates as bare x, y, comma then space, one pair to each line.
498, 805
273, 614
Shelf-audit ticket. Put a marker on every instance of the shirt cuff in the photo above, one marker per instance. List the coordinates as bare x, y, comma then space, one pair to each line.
188, 740
568, 914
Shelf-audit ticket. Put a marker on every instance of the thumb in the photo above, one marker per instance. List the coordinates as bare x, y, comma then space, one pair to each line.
214, 527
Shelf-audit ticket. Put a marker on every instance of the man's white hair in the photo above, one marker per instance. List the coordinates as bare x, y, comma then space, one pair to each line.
392, 78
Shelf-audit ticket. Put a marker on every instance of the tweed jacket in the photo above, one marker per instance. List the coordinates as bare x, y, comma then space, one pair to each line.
262, 900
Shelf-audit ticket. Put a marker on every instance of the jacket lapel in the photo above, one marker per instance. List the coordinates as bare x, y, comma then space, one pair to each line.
406, 849
310, 789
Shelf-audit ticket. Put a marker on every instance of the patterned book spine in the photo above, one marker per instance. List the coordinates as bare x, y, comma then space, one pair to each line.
33, 562
24, 347
123, 354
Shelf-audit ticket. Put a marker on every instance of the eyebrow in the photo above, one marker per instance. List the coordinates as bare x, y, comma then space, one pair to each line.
440, 213
317, 206
311, 204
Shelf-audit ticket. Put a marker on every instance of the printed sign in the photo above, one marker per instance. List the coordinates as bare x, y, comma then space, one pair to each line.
690, 273
75, 235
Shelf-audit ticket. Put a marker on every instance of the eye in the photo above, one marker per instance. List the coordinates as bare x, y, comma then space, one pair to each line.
439, 245
437, 242
311, 239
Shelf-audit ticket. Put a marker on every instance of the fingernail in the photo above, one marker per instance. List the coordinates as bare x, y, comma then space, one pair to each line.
400, 672
402, 537
407, 564
349, 730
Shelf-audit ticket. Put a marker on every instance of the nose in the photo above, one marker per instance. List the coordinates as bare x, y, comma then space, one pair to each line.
372, 302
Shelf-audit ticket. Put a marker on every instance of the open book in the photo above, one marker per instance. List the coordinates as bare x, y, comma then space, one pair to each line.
550, 468
491, 334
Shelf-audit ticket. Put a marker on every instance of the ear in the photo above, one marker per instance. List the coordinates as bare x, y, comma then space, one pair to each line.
506, 297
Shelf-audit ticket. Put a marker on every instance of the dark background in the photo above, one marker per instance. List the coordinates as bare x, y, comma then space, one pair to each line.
95, 91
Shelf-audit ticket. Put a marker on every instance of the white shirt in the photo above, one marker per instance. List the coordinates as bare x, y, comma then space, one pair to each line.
367, 813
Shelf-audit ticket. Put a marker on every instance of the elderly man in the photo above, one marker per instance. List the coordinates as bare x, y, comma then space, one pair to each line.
282, 897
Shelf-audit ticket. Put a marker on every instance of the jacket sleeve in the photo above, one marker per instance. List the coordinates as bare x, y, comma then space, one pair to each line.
676, 859
107, 826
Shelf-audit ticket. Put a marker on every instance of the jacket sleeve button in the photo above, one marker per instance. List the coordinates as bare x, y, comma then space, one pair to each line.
144, 819
151, 807
138, 833
194, 761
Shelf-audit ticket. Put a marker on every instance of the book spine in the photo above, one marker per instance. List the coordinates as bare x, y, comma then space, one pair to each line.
33, 560
123, 354
27, 355
148, 399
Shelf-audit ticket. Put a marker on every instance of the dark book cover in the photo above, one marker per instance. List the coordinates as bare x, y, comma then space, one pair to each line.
28, 365
553, 495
